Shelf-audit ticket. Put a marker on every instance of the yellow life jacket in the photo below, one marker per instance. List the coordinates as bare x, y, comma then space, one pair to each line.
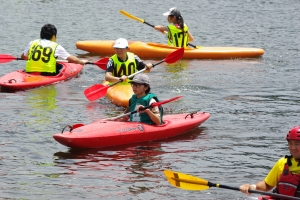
177, 37
126, 68
41, 57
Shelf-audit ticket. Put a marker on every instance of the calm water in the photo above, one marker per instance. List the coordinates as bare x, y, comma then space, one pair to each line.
253, 102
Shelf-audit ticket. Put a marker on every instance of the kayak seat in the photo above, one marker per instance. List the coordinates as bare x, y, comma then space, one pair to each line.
59, 68
164, 123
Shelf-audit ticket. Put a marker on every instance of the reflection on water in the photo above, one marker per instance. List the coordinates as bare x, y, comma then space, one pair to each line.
137, 166
134, 152
179, 66
42, 103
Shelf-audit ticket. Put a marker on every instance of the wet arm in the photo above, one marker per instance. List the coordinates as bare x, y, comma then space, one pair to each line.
74, 59
154, 117
161, 28
262, 186
109, 77
126, 118
24, 57
191, 38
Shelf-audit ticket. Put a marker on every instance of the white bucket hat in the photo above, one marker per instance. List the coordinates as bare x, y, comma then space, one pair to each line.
121, 43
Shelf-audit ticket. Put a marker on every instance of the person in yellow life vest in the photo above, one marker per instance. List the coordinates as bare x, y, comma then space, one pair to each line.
285, 174
123, 63
178, 32
41, 54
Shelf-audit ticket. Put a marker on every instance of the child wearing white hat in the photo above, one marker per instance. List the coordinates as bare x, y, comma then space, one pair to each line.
123, 63
178, 32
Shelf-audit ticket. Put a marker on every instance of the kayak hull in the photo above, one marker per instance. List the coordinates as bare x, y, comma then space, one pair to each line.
120, 94
266, 198
111, 133
20, 80
156, 50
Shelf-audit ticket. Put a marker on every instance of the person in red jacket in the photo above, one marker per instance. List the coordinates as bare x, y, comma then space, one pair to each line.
285, 174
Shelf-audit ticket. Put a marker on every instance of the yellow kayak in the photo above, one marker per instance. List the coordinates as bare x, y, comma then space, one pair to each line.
119, 94
156, 50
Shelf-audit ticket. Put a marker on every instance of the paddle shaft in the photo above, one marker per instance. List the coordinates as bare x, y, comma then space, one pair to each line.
4, 58
25, 59
237, 189
152, 105
130, 76
255, 191
167, 32
130, 113
115, 83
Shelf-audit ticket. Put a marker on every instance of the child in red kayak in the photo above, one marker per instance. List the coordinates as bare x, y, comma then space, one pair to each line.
142, 98
41, 54
178, 32
285, 174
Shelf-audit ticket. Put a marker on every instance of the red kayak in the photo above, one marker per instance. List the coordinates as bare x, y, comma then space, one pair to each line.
264, 198
20, 80
105, 133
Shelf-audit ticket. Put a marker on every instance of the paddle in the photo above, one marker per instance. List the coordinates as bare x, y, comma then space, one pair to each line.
123, 12
188, 182
98, 90
100, 63
4, 58
150, 106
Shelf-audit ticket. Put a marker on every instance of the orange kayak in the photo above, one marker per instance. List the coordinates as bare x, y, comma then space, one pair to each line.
156, 50
119, 94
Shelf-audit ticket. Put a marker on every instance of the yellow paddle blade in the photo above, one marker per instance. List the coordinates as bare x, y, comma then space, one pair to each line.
123, 12
185, 181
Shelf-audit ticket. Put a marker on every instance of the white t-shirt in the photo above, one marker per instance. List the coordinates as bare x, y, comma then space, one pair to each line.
60, 52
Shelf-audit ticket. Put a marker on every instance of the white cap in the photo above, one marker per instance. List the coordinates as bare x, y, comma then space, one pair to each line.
121, 43
172, 11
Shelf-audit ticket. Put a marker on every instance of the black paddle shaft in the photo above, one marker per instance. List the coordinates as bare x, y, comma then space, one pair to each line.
254, 191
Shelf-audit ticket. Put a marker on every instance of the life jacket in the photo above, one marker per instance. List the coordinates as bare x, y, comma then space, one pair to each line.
126, 68
288, 183
145, 100
178, 37
41, 57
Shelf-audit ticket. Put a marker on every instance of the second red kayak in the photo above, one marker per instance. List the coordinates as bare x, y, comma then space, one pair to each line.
20, 80
105, 133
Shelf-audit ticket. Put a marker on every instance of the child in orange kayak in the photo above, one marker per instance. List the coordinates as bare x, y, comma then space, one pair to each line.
123, 63
142, 98
178, 32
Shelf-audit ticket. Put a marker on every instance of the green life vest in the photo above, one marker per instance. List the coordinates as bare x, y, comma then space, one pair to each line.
41, 57
144, 117
126, 68
177, 37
